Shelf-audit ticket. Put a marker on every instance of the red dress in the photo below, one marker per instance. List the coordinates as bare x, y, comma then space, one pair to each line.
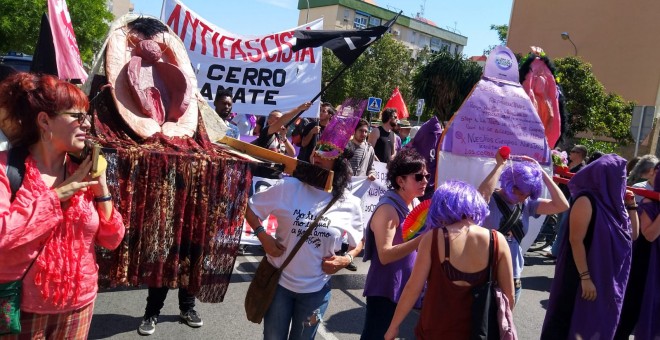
446, 307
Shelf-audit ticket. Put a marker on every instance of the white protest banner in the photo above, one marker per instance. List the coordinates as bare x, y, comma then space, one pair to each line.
376, 190
359, 186
259, 184
261, 72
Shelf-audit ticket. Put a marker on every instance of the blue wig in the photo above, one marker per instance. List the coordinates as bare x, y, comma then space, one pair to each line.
454, 201
524, 176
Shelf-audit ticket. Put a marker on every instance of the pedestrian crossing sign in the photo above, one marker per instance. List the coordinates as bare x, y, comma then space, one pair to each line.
373, 105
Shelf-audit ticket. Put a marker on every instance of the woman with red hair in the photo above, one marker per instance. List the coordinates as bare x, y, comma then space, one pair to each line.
51, 220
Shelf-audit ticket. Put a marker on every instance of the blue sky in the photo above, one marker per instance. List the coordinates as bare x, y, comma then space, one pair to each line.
471, 18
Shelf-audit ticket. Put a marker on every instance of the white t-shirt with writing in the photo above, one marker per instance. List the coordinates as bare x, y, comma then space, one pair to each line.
296, 205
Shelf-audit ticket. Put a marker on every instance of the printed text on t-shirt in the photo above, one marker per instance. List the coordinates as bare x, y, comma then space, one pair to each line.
302, 222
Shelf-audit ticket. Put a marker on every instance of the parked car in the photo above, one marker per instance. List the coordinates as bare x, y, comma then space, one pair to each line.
19, 61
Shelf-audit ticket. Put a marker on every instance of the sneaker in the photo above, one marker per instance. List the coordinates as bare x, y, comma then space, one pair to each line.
148, 325
241, 250
191, 318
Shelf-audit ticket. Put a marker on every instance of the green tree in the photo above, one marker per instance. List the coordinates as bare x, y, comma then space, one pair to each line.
444, 83
20, 20
384, 66
593, 145
590, 108
502, 33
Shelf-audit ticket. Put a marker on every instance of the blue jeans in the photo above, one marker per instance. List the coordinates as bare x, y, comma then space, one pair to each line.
561, 230
516, 294
295, 311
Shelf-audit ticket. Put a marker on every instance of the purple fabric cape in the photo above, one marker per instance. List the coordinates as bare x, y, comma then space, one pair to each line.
608, 256
426, 142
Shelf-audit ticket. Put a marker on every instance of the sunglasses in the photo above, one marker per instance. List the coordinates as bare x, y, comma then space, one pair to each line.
420, 177
79, 116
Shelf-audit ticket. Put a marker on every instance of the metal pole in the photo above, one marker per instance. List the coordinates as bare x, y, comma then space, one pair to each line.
639, 130
162, 11
327, 85
575, 47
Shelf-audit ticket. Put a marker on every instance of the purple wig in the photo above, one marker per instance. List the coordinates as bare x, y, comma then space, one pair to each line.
523, 176
454, 201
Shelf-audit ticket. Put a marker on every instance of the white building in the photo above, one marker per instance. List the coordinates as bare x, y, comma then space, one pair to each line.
416, 33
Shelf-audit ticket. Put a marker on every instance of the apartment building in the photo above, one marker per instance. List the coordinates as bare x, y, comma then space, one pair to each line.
414, 32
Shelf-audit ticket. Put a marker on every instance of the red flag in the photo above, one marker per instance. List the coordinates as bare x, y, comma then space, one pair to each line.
396, 102
69, 65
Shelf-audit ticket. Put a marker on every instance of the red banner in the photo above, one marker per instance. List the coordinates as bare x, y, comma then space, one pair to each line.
396, 102
69, 64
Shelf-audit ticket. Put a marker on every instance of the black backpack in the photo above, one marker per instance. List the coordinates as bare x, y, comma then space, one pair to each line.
16, 168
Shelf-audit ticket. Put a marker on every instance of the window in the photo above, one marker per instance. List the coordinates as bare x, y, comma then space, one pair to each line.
360, 21
373, 21
435, 42
445, 46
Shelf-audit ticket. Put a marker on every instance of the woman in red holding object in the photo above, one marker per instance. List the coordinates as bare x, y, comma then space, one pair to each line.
49, 226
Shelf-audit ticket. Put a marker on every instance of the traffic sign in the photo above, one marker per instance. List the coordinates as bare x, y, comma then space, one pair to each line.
420, 107
373, 105
641, 124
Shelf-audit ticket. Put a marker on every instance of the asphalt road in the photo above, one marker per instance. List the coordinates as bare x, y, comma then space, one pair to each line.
118, 313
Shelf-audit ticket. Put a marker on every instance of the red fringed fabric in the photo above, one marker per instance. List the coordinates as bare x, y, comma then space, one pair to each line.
183, 201
58, 270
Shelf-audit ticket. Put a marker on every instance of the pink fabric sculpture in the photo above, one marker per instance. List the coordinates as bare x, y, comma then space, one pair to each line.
540, 86
153, 82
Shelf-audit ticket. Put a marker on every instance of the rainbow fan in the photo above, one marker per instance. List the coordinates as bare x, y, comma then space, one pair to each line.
413, 225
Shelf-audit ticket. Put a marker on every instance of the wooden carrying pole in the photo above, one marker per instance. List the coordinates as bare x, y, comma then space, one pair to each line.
305, 172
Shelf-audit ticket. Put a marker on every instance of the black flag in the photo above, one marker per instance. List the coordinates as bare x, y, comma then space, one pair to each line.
346, 45
44, 59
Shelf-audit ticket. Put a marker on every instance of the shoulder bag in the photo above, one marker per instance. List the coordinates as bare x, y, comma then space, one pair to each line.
484, 312
10, 301
262, 289
512, 221
10, 292
491, 311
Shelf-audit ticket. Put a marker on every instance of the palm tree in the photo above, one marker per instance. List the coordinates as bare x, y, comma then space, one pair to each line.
445, 81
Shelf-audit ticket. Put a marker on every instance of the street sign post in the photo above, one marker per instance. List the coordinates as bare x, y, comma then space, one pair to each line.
373, 105
420, 109
641, 124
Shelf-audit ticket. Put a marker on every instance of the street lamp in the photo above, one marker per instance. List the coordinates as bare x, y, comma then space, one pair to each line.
565, 36
307, 19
